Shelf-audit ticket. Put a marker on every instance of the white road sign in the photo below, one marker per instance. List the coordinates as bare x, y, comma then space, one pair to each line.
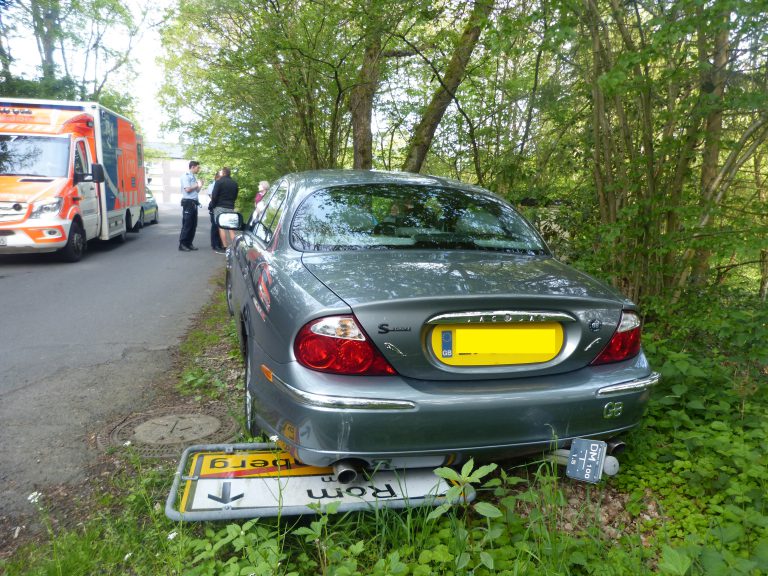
227, 482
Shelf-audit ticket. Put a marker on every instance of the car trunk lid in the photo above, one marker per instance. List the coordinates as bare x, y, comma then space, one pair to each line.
472, 315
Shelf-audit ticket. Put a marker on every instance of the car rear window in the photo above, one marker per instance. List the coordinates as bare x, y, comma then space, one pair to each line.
388, 216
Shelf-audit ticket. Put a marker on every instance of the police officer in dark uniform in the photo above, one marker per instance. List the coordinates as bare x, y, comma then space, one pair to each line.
190, 188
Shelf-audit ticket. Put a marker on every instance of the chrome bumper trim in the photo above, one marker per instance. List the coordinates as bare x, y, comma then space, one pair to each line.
631, 386
341, 402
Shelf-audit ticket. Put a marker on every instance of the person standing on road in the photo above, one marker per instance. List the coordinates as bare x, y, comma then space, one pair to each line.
223, 199
190, 188
216, 244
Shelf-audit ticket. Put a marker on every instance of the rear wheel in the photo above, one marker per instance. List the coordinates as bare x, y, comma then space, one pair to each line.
250, 421
75, 247
228, 291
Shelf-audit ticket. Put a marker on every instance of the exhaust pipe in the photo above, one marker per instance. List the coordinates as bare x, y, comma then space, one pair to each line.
615, 447
345, 471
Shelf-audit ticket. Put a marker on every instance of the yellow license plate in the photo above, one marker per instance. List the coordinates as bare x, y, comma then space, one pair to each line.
494, 345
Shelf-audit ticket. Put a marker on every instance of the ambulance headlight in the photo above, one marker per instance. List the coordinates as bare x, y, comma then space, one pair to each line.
47, 208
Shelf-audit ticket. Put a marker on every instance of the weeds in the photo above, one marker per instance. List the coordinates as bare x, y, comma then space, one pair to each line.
691, 498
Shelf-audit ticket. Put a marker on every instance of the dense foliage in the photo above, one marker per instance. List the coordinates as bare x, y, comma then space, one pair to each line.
644, 123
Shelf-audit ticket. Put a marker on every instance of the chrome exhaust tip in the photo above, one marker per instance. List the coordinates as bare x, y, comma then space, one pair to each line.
615, 447
345, 471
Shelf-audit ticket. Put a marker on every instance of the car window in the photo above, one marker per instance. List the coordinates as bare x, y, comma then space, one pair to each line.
381, 216
258, 210
264, 228
81, 162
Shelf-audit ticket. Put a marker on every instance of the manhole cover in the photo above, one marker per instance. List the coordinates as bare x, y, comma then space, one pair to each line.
167, 432
176, 428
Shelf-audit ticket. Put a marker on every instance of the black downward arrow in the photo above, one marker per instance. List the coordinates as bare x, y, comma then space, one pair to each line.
225, 497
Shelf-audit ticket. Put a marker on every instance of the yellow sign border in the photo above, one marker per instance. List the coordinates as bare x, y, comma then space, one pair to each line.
243, 464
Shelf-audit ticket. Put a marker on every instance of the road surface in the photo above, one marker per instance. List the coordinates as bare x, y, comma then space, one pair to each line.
81, 345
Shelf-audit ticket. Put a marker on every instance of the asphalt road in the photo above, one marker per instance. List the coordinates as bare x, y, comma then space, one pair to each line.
81, 345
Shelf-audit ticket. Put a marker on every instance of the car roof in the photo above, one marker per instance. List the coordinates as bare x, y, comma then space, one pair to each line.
310, 181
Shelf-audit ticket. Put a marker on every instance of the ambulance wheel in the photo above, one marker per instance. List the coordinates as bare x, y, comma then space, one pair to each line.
75, 247
120, 238
250, 421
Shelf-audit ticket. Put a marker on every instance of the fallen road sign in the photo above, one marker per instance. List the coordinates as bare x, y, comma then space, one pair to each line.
227, 481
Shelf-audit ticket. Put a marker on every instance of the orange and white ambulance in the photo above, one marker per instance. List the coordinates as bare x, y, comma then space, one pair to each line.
70, 172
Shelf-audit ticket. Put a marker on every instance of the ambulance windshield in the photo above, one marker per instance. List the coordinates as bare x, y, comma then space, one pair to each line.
22, 155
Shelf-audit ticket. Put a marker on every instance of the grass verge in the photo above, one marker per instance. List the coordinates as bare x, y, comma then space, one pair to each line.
690, 499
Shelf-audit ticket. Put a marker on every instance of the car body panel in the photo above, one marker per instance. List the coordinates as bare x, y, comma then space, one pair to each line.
428, 409
460, 418
427, 284
151, 212
279, 293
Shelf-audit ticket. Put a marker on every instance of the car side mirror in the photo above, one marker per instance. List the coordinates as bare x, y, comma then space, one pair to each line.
230, 221
96, 175
97, 172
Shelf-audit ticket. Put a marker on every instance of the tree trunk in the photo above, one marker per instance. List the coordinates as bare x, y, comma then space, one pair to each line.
424, 132
361, 102
712, 83
304, 115
5, 51
602, 146
45, 20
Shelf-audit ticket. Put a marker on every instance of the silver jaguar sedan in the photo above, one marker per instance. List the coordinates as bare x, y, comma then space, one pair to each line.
397, 320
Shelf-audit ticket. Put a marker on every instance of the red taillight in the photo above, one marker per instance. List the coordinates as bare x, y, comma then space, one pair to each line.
338, 345
625, 343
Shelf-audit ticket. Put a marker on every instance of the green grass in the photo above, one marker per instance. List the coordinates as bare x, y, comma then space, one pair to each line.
690, 498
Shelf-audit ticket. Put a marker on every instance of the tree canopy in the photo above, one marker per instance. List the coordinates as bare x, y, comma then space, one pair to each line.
82, 47
634, 131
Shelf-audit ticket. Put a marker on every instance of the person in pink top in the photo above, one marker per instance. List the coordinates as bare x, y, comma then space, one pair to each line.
263, 188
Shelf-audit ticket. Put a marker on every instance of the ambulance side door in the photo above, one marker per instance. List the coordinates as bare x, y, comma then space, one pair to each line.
89, 200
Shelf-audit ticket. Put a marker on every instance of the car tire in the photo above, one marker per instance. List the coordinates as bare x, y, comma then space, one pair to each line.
250, 421
228, 292
140, 223
75, 247
129, 225
155, 220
